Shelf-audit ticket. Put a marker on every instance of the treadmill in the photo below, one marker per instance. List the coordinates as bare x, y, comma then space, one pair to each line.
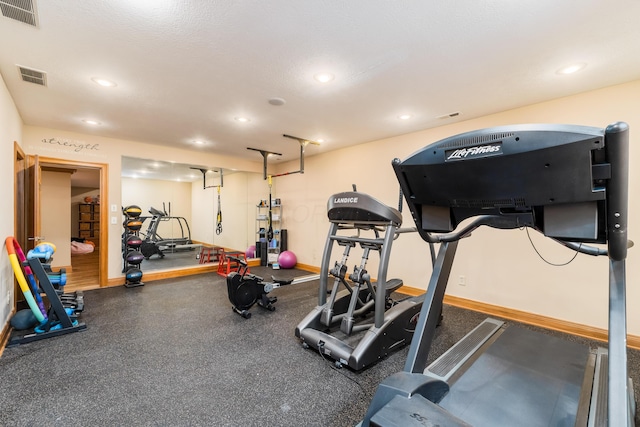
567, 182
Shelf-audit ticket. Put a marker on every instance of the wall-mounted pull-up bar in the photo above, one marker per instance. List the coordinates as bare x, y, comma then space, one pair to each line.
204, 178
265, 154
303, 143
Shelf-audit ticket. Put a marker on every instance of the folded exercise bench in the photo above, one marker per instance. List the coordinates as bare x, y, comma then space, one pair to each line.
210, 254
230, 262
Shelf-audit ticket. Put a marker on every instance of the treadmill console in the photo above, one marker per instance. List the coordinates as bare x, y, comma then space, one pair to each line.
355, 207
568, 182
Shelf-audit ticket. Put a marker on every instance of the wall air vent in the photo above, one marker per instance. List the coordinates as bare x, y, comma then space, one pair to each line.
20, 10
477, 140
33, 76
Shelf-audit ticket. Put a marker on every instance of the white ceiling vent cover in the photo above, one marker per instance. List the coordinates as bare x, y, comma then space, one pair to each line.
33, 76
20, 10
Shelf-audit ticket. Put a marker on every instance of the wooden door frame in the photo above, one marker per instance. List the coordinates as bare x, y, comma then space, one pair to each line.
19, 193
20, 168
104, 212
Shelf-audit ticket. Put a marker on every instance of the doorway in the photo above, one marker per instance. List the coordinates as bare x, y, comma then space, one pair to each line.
89, 272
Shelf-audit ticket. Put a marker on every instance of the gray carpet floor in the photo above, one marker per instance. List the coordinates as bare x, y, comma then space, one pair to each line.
172, 353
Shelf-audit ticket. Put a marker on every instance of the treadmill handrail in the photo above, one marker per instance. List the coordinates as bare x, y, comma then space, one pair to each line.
490, 220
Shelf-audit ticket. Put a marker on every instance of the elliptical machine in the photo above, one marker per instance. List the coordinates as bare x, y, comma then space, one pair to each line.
359, 324
246, 289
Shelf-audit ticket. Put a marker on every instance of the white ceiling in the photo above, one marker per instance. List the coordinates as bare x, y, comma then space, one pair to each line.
133, 167
185, 69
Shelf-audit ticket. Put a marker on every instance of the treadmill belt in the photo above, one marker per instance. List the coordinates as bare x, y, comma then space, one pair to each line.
525, 378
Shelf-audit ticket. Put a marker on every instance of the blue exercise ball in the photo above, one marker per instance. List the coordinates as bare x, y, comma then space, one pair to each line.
133, 275
23, 319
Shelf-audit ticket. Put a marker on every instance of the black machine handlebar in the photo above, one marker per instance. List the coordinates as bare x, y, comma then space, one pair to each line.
243, 272
155, 212
491, 220
239, 260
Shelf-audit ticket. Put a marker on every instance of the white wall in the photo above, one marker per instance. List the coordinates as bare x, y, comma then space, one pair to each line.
10, 131
500, 267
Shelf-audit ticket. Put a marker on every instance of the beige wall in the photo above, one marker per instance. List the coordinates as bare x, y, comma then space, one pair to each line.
65, 145
233, 200
240, 195
10, 131
199, 206
499, 267
55, 199
147, 193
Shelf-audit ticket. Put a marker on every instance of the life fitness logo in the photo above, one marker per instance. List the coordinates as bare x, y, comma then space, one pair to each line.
473, 152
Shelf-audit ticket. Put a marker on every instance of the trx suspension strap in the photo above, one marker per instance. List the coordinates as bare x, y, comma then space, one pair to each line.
219, 216
270, 231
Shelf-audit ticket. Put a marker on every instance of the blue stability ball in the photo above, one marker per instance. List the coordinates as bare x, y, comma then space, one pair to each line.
23, 319
133, 275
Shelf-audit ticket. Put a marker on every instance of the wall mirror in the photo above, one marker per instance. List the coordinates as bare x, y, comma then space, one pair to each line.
181, 204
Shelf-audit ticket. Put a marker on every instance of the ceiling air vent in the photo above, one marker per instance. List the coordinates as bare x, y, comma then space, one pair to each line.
33, 76
450, 115
20, 10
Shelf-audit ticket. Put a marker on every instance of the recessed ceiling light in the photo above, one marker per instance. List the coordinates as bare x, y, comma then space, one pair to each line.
242, 119
405, 116
324, 77
277, 101
570, 69
104, 82
91, 122
320, 140
198, 142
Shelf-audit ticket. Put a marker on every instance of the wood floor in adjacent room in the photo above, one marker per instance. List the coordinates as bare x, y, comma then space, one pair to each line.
85, 272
